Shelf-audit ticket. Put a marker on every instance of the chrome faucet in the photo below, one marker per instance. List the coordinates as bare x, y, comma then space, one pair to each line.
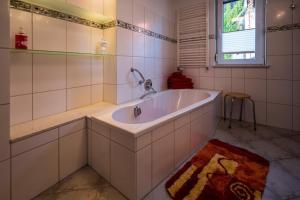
137, 111
147, 84
141, 75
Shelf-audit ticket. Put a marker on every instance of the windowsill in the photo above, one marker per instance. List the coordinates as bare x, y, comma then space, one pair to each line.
241, 66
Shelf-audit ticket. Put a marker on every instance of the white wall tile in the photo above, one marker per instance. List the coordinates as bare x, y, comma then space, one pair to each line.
162, 158
110, 93
279, 13
97, 93
110, 70
296, 93
20, 19
237, 73
281, 67
5, 180
20, 74
182, 144
78, 97
49, 72
124, 42
296, 40
138, 46
49, 33
138, 14
260, 112
20, 109
124, 179
80, 3
101, 155
279, 91
296, 67
149, 19
257, 88
124, 64
296, 14
238, 85
223, 72
78, 71
97, 70
149, 46
4, 76
223, 84
72, 153
4, 16
96, 37
33, 142
4, 135
296, 118
256, 73
207, 72
49, 103
124, 93
97, 6
78, 38
206, 82
143, 171
279, 43
124, 10
72, 127
279, 116
110, 8
28, 176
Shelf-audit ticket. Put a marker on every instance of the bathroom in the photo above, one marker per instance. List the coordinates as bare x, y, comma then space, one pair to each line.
115, 99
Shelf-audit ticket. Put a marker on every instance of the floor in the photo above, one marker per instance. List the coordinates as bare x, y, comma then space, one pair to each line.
281, 147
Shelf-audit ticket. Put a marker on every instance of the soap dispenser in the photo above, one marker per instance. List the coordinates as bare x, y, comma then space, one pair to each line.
21, 39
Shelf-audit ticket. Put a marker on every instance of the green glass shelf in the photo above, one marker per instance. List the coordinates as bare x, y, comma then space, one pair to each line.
46, 52
61, 6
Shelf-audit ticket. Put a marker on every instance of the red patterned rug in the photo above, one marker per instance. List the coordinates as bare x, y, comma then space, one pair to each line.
220, 171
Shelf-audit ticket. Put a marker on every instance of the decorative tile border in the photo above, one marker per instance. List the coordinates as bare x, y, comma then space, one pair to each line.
286, 27
134, 28
20, 5
52, 13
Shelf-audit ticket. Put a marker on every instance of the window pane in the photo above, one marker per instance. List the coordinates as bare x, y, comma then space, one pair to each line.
239, 41
238, 37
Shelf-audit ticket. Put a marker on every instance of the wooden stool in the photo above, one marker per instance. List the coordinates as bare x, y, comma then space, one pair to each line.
240, 97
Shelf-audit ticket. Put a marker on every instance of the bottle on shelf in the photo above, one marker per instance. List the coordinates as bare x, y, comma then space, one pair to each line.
21, 39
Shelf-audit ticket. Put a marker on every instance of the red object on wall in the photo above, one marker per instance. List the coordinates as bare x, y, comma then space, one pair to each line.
178, 81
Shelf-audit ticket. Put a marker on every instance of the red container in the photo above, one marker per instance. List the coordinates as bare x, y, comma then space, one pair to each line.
21, 40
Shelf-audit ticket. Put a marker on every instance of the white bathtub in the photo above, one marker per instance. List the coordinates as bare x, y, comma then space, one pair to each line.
160, 105
173, 125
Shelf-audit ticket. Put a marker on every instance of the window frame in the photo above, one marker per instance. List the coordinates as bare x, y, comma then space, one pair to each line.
260, 41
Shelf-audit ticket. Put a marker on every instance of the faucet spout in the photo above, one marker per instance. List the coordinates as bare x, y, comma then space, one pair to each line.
140, 74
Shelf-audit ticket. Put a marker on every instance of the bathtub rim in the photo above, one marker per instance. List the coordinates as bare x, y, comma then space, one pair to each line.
139, 129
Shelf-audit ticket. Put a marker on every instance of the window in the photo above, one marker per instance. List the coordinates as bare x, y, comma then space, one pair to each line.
241, 36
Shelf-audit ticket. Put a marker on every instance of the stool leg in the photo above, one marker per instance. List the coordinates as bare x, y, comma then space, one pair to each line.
231, 105
254, 116
225, 97
241, 112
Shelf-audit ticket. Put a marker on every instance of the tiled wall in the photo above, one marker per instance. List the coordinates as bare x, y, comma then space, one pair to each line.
154, 57
4, 102
43, 85
274, 89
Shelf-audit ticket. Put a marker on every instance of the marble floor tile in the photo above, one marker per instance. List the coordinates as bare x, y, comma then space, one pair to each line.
268, 150
288, 144
292, 166
282, 183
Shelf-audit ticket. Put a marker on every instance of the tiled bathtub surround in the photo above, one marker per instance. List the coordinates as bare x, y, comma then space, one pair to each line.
137, 164
274, 89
